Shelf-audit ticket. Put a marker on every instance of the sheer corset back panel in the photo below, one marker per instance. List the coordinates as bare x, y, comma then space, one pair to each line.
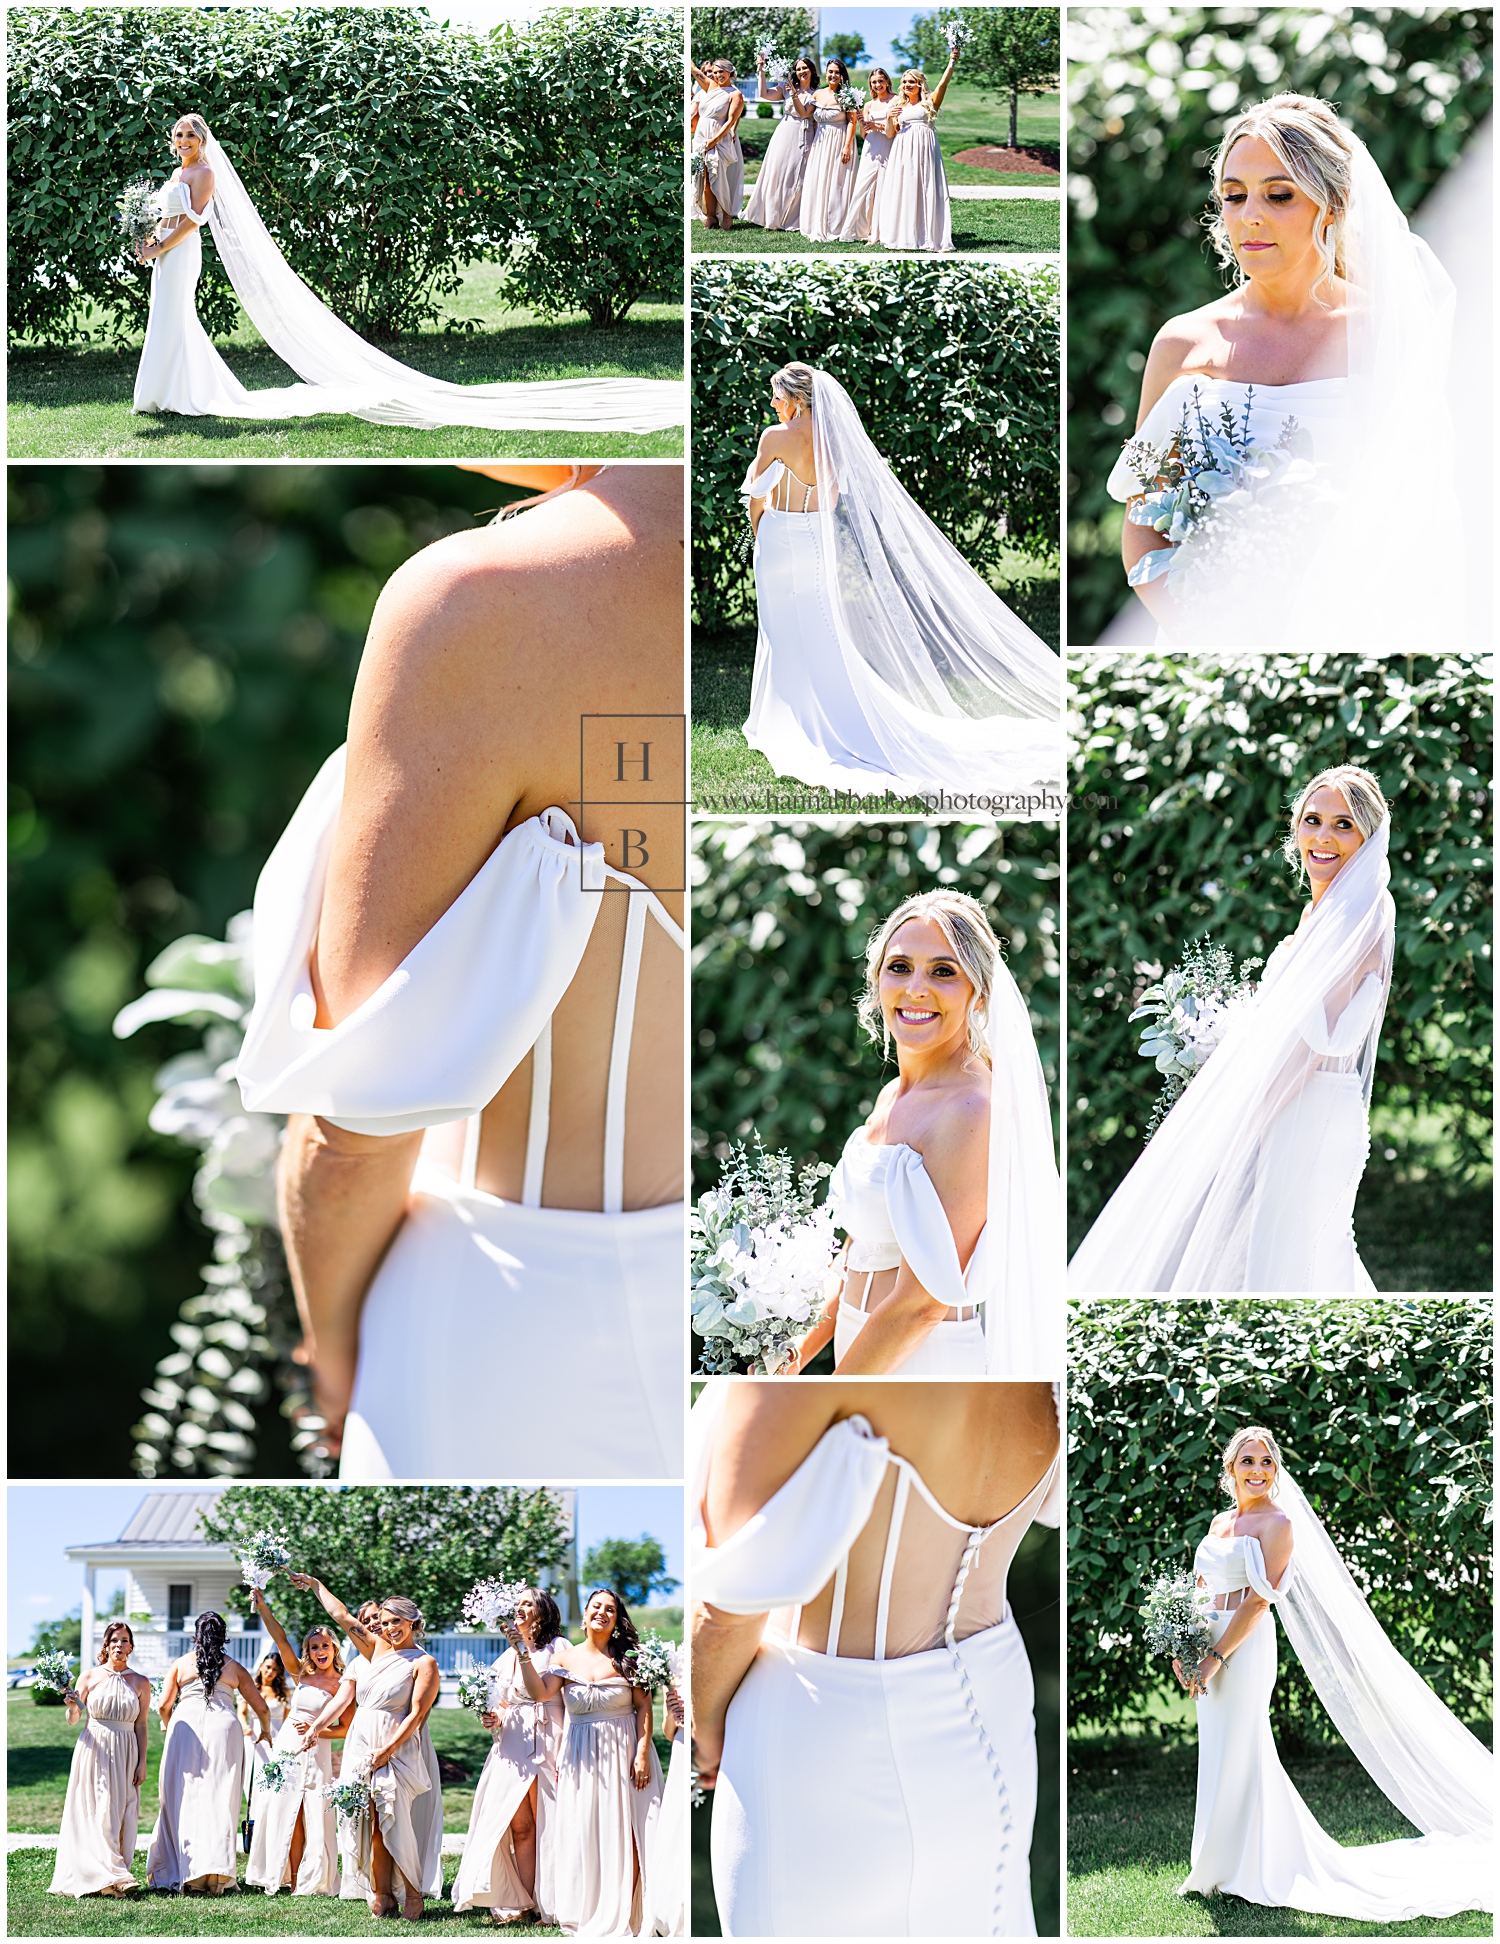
782, 490
916, 1578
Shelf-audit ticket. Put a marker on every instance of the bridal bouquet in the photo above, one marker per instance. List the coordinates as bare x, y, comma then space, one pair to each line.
958, 35
761, 1252
1176, 1619
475, 1684
492, 1602
53, 1673
136, 207
1206, 471
265, 1554
349, 1799
654, 1662
1190, 1009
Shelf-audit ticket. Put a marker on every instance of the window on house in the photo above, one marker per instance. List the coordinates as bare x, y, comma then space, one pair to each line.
179, 1606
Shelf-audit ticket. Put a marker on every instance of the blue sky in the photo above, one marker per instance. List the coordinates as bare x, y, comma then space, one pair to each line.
43, 1519
877, 24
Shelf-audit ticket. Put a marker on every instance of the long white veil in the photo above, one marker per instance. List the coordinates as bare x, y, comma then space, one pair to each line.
344, 374
1017, 1279
958, 692
1182, 1218
1438, 1774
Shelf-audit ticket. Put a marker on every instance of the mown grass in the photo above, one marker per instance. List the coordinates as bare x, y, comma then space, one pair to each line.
968, 119
74, 402
1130, 1829
1027, 227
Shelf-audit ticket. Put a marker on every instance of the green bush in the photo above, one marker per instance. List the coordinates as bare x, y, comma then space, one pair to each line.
1149, 99
1182, 773
368, 138
781, 916
1383, 1413
730, 34
952, 366
183, 642
590, 100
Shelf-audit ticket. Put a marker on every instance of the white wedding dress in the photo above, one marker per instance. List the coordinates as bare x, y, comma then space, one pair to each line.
477, 1296
879, 1771
1254, 1836
180, 371
882, 660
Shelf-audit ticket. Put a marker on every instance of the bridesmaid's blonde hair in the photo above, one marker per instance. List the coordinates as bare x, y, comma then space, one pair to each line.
916, 74
965, 924
1309, 141
405, 1609
1232, 1450
1362, 793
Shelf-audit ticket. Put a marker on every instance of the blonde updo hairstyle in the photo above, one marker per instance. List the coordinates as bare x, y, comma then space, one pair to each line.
405, 1609
965, 924
1308, 140
794, 383
1247, 1434
1362, 793
195, 122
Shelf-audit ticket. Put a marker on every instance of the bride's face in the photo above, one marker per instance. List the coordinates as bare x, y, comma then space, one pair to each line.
925, 994
1327, 835
1254, 1471
186, 146
1272, 223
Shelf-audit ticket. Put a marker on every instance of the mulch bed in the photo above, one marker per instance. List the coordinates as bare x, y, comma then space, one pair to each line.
1014, 161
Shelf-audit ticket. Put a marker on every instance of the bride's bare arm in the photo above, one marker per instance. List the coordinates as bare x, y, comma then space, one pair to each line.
1169, 353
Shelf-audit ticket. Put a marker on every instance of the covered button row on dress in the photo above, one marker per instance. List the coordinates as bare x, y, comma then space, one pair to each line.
971, 1553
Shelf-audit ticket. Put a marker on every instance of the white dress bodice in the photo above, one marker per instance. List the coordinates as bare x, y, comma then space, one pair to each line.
882, 1196
1321, 407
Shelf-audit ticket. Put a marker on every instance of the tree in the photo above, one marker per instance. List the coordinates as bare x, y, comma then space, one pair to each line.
1010, 50
636, 1567
848, 48
63, 1636
732, 34
429, 1543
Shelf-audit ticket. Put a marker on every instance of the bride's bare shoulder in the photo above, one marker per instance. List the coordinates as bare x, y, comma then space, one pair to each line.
1184, 343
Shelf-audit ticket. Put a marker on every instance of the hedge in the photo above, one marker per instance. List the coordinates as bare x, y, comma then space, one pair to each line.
1182, 775
1383, 1413
1148, 101
953, 366
781, 916
383, 150
183, 643
733, 33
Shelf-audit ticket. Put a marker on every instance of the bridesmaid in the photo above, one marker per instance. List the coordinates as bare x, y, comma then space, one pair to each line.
202, 1765
96, 1844
296, 1834
776, 198
877, 123
507, 1863
401, 1841
913, 211
271, 1681
609, 1779
716, 130
667, 1863
828, 184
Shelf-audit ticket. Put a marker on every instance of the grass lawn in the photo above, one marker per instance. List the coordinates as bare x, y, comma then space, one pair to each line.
68, 403
1028, 226
1130, 1828
968, 119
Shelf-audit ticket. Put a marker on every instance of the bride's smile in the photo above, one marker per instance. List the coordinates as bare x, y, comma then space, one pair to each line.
1327, 837
923, 994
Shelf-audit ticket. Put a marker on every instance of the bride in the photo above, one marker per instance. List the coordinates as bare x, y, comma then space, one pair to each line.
1249, 1182
1253, 1836
472, 1013
180, 371
883, 661
861, 1699
949, 1192
1328, 358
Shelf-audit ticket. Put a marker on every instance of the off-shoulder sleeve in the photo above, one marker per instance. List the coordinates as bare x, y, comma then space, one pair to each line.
442, 1034
178, 201
787, 1553
1354, 1022
1259, 1578
757, 488
922, 1230
1122, 483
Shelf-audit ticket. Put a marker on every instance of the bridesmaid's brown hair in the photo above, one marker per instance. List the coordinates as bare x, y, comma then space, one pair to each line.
114, 1627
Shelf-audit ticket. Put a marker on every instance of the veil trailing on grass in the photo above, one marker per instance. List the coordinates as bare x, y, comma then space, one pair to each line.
951, 682
343, 374
1438, 1774
1181, 1220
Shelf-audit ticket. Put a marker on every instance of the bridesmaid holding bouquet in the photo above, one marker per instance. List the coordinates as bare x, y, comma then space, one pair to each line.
776, 199
96, 1844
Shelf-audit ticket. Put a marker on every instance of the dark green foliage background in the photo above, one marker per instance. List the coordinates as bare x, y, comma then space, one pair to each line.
1182, 778
1142, 256
427, 1543
777, 1047
730, 34
183, 643
382, 150
953, 368
1383, 1413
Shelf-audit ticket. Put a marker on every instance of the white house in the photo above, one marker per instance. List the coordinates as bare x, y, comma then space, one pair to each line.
172, 1574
